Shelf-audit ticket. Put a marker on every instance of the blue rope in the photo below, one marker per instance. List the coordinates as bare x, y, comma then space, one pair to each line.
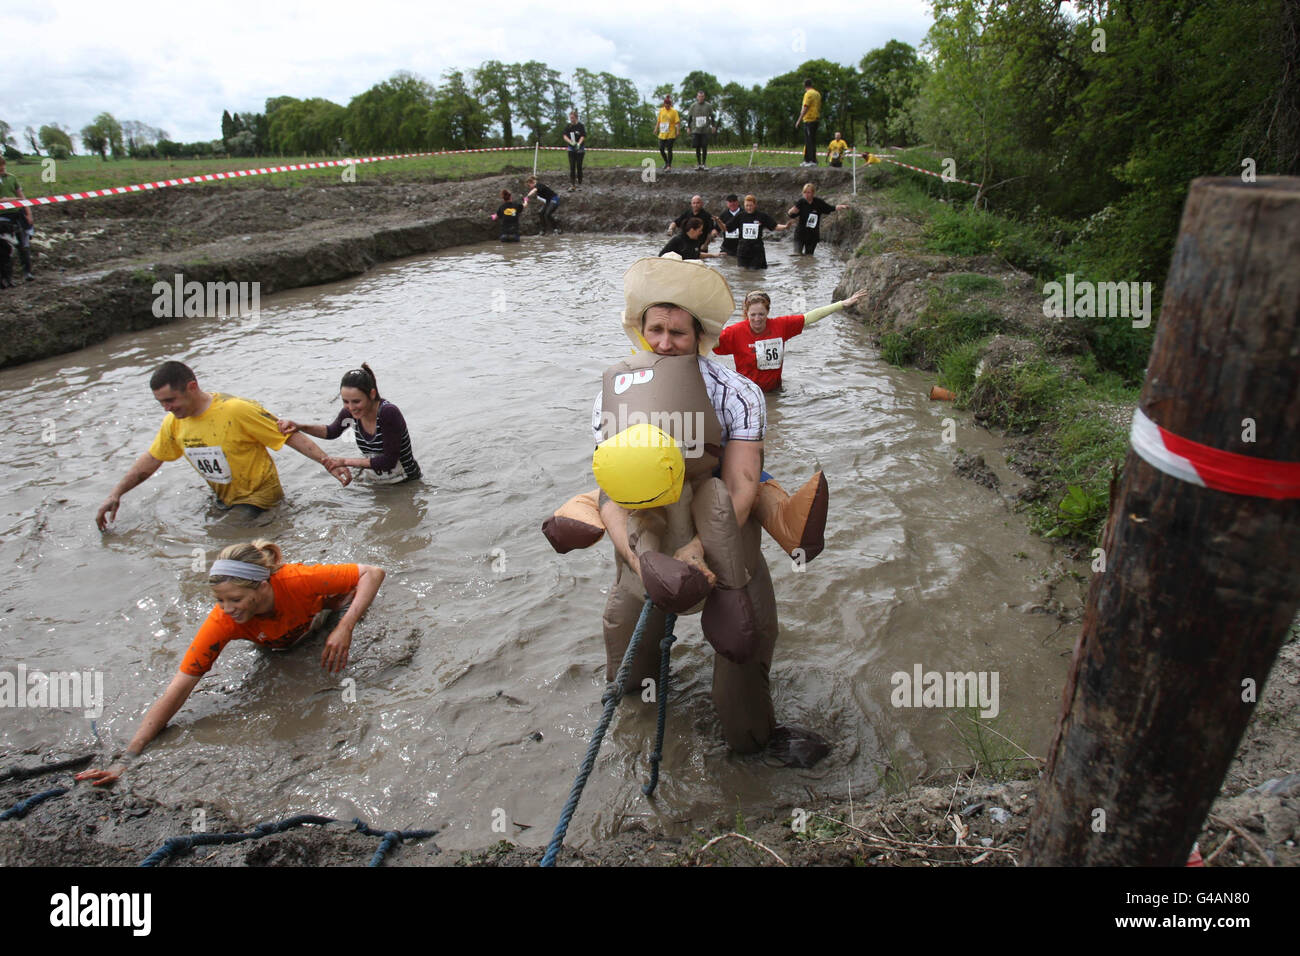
665, 653
390, 839
613, 694
180, 844
19, 810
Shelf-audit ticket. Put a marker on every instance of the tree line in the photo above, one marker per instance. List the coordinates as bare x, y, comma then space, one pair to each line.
517, 104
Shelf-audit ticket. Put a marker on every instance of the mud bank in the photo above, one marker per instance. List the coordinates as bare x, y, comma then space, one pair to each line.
97, 260
1254, 822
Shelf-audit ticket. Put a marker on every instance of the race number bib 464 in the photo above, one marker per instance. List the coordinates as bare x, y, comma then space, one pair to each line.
210, 462
812, 220
768, 352
749, 230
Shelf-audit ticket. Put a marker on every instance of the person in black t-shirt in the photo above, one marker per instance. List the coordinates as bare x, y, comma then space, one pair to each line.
750, 253
696, 210
575, 137
507, 217
729, 232
549, 199
810, 211
688, 241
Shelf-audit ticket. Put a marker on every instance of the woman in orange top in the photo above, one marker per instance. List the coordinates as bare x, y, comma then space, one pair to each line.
263, 600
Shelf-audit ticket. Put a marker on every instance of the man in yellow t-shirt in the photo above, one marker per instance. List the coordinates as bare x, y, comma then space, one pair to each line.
809, 116
224, 438
666, 123
836, 150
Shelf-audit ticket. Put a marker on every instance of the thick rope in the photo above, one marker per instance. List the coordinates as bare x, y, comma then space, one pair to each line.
613, 694
665, 652
40, 769
19, 810
181, 844
390, 839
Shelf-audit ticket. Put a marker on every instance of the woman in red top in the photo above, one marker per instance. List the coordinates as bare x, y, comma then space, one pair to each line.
758, 343
263, 600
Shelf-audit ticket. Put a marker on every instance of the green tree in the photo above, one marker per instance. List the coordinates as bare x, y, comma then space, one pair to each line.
394, 114
458, 119
53, 135
591, 100
697, 80
624, 109
493, 85
890, 78
102, 135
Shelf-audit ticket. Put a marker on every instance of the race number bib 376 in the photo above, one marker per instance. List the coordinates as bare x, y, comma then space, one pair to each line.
749, 230
812, 220
210, 462
768, 352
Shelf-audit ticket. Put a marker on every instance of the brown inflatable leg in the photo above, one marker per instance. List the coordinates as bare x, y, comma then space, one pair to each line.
795, 521
622, 610
741, 692
575, 524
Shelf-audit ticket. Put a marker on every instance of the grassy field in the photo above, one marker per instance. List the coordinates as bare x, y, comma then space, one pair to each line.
88, 172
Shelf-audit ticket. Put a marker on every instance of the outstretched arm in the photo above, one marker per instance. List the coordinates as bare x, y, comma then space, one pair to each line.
139, 472
288, 427
817, 314
335, 655
615, 520
163, 710
305, 446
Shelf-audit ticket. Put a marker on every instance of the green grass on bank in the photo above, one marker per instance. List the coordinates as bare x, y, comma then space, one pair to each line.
82, 173
1077, 406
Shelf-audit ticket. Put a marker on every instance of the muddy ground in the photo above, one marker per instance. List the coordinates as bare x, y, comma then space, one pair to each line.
96, 260
96, 263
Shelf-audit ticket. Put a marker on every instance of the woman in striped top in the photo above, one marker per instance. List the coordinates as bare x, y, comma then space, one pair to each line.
377, 424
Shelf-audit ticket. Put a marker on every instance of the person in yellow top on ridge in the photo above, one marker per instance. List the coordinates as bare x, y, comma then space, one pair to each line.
836, 150
225, 439
666, 124
810, 115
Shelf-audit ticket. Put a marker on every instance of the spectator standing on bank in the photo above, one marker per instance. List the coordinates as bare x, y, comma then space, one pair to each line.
703, 124
666, 124
21, 220
810, 115
575, 137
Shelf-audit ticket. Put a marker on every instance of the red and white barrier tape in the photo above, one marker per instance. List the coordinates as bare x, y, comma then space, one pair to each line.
928, 172
240, 174
1211, 468
323, 164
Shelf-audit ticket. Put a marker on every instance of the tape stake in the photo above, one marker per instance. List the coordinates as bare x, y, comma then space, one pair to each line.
1213, 468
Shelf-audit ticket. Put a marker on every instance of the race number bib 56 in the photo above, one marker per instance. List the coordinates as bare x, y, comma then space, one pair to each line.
210, 462
749, 230
812, 220
768, 352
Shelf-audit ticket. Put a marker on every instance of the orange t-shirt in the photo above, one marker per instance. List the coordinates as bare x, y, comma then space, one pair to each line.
300, 593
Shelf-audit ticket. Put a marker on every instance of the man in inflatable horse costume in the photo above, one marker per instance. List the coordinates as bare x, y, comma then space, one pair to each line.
684, 499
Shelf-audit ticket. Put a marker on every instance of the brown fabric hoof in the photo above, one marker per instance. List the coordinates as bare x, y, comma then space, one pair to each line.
815, 496
796, 522
673, 585
729, 625
569, 534
797, 747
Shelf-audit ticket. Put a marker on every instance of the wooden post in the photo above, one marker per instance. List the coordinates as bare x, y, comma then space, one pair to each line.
1200, 586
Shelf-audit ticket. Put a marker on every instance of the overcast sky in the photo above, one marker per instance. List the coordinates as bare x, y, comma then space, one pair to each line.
177, 66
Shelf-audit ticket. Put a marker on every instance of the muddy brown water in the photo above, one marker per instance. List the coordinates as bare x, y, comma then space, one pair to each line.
478, 671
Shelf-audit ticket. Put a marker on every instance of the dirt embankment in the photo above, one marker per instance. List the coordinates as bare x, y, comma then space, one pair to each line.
97, 260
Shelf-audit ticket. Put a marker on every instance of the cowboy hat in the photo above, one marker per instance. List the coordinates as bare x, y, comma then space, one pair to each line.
689, 285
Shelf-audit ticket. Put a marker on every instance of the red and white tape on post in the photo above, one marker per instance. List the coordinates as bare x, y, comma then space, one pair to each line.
1211, 468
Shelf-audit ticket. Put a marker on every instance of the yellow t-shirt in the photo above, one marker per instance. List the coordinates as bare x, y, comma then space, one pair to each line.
837, 148
813, 101
227, 446
668, 122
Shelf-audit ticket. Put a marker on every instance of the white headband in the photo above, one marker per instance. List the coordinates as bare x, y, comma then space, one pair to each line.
223, 567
